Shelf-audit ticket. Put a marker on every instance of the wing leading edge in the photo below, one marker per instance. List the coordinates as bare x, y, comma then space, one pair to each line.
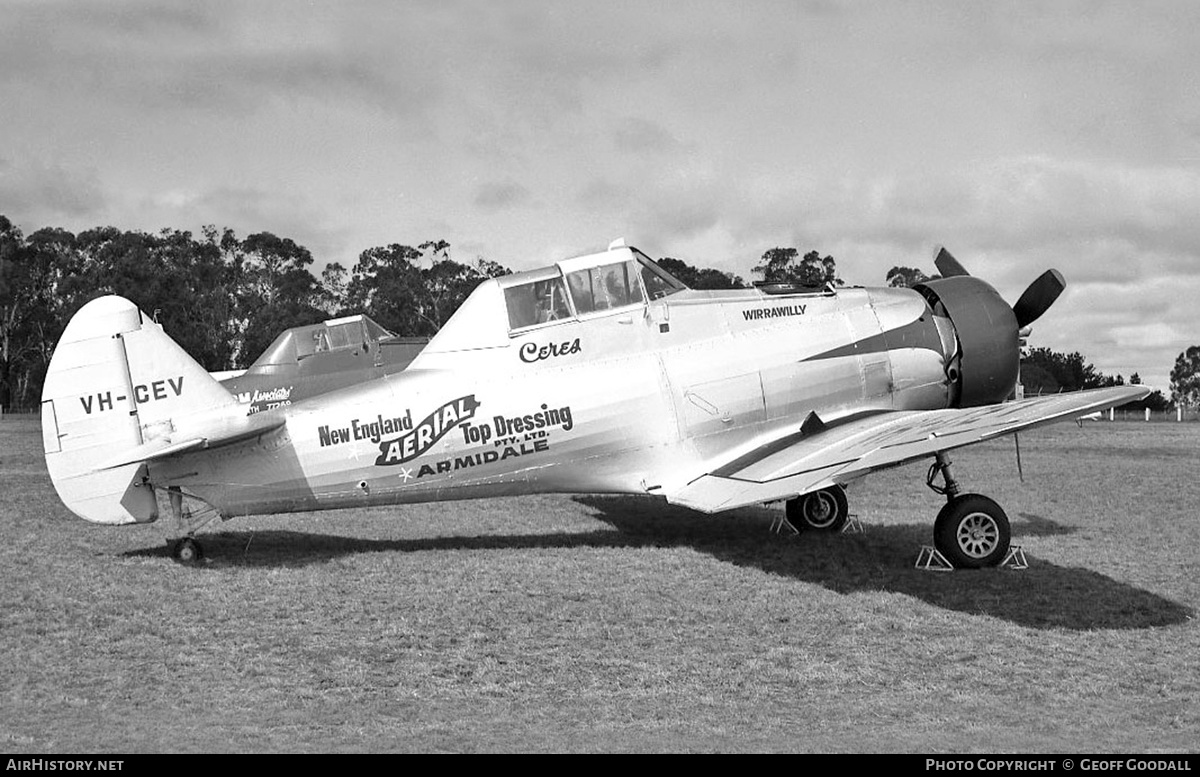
839, 453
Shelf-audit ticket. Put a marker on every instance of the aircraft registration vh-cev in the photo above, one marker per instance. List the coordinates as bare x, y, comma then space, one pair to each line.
599, 374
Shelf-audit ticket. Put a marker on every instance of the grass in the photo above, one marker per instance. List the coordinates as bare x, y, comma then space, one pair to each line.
615, 624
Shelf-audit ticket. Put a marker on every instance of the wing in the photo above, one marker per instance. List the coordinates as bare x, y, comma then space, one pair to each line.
814, 458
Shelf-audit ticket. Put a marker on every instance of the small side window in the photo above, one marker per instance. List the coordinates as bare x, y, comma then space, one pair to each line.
658, 282
345, 335
536, 303
604, 288
580, 284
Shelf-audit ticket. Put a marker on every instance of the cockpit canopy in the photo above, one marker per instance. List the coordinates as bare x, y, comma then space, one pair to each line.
333, 335
583, 287
573, 290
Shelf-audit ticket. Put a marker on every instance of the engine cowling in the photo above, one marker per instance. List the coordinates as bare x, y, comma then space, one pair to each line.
985, 367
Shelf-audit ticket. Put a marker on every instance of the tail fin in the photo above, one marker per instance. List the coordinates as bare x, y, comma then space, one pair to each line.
117, 383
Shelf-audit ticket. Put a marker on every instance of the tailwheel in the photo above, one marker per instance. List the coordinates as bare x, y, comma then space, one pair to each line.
824, 510
972, 532
187, 550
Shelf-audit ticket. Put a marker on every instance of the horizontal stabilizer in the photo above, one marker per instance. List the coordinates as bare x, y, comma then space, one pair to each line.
249, 426
118, 393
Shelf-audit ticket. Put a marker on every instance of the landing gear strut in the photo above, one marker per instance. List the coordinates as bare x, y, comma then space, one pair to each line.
971, 531
186, 549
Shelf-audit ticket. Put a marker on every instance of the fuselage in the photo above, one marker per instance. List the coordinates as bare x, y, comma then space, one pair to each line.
625, 400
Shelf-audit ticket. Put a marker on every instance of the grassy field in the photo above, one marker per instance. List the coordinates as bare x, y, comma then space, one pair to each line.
621, 624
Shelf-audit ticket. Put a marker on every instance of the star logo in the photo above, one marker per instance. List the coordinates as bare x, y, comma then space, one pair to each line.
406, 473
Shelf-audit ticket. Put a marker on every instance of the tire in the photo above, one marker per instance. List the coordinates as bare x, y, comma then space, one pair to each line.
824, 510
972, 532
187, 551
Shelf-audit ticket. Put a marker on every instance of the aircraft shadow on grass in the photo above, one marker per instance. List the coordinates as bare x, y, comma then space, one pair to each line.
880, 559
283, 548
1040, 526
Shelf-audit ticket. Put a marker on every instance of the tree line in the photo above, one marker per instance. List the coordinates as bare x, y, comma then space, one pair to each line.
221, 297
224, 298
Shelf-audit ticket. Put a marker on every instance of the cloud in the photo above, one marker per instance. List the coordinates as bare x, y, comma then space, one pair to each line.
1099, 220
601, 193
1137, 325
640, 136
216, 56
500, 195
45, 193
249, 210
1061, 135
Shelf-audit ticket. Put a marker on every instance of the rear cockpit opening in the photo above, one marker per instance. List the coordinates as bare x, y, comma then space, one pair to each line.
776, 287
349, 333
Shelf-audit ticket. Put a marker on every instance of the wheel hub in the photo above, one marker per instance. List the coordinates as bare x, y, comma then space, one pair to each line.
820, 510
978, 535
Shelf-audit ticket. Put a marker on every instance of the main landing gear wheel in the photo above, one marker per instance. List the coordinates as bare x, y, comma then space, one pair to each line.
972, 532
824, 510
187, 550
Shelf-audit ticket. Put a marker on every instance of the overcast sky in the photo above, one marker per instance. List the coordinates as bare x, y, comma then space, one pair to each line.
1020, 135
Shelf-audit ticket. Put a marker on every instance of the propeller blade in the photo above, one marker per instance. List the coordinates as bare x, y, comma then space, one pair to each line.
947, 265
1038, 298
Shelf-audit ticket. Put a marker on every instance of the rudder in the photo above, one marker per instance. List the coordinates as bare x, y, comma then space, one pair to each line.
116, 382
